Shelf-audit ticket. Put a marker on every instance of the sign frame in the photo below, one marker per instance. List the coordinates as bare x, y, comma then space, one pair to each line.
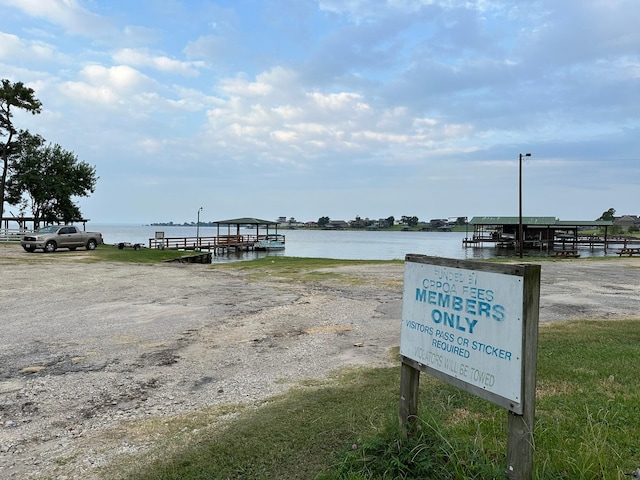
521, 414
487, 339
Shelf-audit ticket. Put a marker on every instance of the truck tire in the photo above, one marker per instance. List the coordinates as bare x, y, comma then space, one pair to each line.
29, 249
50, 246
91, 244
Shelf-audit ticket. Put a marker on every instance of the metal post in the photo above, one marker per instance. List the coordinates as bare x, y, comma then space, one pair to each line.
198, 228
520, 230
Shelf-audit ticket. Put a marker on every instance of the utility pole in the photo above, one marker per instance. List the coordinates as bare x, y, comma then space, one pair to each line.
520, 230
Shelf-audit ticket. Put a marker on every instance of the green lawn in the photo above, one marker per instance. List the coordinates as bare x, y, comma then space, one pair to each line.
587, 423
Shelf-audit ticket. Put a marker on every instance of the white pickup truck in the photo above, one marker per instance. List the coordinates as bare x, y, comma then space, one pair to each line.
52, 237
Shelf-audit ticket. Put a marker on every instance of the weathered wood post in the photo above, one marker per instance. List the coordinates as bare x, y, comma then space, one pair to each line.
520, 427
409, 385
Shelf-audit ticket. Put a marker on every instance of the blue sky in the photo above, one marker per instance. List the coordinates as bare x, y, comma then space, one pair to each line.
336, 108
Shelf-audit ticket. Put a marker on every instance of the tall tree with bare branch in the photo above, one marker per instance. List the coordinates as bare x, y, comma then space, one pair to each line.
12, 96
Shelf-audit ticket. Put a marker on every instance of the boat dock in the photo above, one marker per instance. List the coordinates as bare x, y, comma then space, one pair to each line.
219, 244
545, 234
561, 243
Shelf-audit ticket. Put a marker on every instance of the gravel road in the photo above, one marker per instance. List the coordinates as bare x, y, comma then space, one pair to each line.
86, 346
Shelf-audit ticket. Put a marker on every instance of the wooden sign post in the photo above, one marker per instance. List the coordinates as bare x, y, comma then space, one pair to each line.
474, 325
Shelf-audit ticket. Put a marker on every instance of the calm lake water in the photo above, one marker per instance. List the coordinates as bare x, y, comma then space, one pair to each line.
342, 244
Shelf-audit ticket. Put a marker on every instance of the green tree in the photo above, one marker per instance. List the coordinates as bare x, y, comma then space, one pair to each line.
323, 221
12, 96
46, 179
410, 221
390, 221
615, 230
608, 215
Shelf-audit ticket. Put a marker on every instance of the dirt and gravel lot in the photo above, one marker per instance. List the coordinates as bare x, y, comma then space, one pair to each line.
86, 346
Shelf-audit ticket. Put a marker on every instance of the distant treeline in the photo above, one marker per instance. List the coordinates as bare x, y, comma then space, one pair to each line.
185, 224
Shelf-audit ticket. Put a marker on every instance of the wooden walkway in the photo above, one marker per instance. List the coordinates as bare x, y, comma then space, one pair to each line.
629, 252
219, 244
197, 258
571, 253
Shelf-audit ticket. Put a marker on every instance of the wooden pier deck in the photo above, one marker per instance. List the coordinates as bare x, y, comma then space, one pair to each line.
196, 258
218, 244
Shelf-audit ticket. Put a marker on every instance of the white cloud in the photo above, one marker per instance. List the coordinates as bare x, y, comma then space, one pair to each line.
118, 78
339, 101
315, 126
68, 14
284, 136
361, 11
277, 83
82, 92
9, 45
14, 48
143, 58
113, 88
241, 87
212, 48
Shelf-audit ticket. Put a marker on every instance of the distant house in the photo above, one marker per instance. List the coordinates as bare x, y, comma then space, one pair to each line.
627, 221
436, 223
336, 225
311, 224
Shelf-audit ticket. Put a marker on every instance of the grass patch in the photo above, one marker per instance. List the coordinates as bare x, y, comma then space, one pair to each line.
588, 423
291, 436
294, 264
302, 269
104, 253
111, 253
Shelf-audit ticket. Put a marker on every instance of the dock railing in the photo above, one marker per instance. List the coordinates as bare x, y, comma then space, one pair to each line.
204, 243
215, 244
11, 234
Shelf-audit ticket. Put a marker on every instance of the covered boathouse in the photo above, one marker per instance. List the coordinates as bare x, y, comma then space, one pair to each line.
542, 233
243, 241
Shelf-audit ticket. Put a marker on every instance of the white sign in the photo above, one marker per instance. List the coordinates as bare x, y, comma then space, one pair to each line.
467, 324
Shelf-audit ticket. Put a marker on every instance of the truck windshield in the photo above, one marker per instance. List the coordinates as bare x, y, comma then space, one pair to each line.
49, 229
